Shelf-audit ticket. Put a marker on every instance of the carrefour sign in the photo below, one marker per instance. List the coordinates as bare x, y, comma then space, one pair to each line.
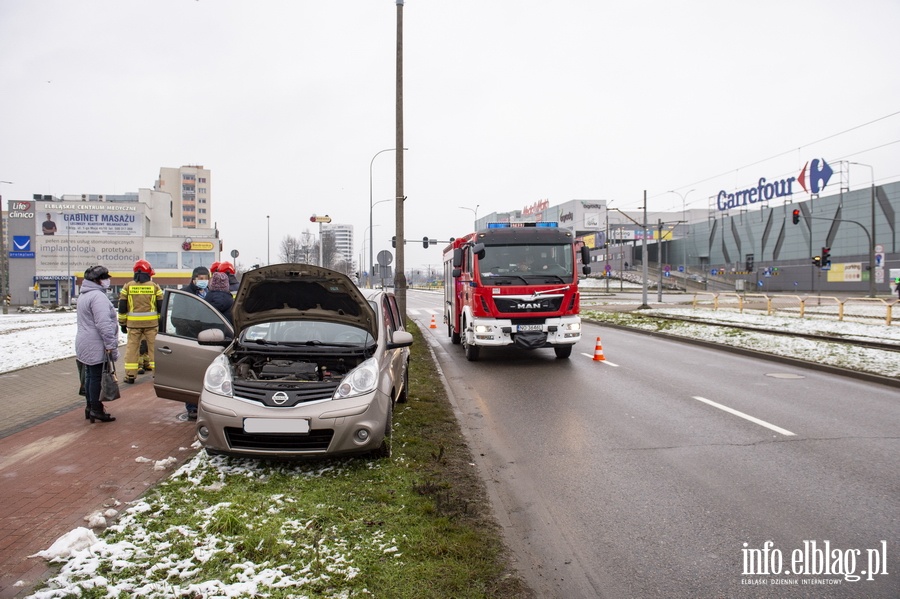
812, 178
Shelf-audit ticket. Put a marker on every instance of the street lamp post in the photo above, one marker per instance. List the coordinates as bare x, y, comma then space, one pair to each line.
371, 162
4, 260
268, 241
872, 236
683, 220
368, 233
474, 211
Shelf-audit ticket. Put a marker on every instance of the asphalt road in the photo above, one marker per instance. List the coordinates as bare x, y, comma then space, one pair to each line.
664, 470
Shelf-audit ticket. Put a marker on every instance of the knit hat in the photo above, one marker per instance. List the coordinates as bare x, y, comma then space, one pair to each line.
219, 282
200, 270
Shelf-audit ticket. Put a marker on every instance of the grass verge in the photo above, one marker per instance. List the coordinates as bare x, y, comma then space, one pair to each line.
416, 525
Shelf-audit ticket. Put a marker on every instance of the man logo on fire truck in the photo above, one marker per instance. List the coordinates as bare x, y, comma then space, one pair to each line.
514, 284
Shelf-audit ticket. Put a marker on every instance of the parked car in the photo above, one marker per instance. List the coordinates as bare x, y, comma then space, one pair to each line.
312, 365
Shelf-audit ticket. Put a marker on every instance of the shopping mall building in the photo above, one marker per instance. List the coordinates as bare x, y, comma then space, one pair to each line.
747, 239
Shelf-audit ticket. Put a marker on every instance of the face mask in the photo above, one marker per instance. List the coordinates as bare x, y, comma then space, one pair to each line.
202, 283
105, 283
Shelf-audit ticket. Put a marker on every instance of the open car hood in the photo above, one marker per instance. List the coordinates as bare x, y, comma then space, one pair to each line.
300, 292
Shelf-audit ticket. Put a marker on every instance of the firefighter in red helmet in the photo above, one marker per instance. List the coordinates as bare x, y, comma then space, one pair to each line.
139, 318
214, 268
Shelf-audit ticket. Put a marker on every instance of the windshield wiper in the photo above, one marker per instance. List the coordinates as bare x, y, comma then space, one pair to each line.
503, 279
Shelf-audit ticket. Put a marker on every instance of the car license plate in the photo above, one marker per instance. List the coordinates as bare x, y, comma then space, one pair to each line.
530, 327
276, 425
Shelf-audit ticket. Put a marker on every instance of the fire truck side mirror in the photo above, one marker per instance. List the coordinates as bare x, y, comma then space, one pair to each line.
586, 270
457, 259
478, 250
456, 272
585, 256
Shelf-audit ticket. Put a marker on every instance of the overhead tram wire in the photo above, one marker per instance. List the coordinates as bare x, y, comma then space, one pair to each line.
780, 154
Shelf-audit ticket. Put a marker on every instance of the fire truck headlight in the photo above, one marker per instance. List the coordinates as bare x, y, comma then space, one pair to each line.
482, 329
573, 326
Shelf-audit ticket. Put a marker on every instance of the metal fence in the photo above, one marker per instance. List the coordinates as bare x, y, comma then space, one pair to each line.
854, 309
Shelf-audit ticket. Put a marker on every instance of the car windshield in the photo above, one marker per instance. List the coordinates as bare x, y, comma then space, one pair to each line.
303, 332
518, 263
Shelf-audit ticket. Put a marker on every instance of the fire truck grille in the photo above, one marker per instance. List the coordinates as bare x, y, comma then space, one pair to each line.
517, 306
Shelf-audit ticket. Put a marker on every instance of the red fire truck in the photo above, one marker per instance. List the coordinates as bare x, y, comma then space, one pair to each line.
514, 284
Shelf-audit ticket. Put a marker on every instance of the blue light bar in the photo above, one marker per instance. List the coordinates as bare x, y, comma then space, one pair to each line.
548, 224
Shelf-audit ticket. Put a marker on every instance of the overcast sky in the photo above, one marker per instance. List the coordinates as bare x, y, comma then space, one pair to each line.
507, 102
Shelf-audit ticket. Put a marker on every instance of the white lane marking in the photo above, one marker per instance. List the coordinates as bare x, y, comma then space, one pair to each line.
607, 362
777, 429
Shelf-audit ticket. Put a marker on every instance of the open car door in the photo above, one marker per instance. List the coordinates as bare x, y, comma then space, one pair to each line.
181, 361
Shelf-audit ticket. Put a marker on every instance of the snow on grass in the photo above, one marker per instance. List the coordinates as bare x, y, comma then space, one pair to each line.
33, 338
884, 363
159, 548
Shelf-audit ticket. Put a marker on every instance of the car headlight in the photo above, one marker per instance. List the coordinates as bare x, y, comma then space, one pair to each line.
361, 379
218, 377
573, 326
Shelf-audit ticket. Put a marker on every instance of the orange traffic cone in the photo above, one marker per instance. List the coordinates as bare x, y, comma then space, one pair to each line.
598, 352
433, 324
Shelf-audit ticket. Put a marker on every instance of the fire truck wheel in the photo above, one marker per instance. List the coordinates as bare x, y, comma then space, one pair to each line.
471, 351
563, 351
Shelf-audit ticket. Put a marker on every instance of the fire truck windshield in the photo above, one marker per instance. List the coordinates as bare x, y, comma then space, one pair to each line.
534, 264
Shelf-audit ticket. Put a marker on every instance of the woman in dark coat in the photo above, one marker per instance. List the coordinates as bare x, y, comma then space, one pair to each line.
219, 294
96, 338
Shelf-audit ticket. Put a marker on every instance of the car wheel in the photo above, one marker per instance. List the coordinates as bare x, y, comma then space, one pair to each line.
404, 393
384, 450
563, 351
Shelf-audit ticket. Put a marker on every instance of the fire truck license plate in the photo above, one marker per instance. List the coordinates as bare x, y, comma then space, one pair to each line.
530, 327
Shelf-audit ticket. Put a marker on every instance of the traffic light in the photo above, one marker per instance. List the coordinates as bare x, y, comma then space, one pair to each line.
394, 241
817, 260
425, 242
796, 216
748, 266
826, 256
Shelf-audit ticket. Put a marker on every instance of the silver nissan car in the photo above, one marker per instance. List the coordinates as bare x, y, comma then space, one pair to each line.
311, 366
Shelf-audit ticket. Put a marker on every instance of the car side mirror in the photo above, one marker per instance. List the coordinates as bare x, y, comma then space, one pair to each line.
213, 337
400, 339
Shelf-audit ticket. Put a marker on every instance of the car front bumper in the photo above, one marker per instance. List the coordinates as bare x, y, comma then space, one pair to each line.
333, 427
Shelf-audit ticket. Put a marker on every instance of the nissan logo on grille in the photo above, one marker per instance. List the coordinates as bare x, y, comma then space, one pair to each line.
280, 397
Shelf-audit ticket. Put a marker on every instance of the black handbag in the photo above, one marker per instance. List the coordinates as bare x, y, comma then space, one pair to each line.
109, 383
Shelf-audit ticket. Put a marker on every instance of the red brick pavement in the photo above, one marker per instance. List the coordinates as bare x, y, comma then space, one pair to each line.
55, 473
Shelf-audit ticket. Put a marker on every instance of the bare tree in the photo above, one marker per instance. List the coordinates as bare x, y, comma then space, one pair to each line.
291, 249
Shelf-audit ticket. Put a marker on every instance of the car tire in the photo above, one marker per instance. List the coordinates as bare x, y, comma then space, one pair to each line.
404, 393
563, 351
383, 451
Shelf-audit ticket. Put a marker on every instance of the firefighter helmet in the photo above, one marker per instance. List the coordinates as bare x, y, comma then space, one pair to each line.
143, 266
226, 267
214, 267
